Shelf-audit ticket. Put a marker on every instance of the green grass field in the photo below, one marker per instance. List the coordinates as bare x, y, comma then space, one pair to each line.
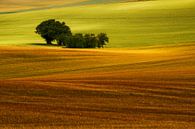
130, 24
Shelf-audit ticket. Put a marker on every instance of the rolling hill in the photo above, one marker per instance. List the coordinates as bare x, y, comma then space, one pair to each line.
24, 5
129, 24
46, 88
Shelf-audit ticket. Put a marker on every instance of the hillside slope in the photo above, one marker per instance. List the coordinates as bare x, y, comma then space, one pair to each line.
129, 24
22, 5
15, 5
97, 89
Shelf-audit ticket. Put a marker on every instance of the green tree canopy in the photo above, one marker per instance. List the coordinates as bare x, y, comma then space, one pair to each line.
90, 41
51, 29
102, 39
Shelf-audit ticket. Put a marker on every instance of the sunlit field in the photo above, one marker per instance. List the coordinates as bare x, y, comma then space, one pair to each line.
44, 88
18, 5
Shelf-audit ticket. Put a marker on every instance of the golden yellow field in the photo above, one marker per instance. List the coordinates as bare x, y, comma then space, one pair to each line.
60, 88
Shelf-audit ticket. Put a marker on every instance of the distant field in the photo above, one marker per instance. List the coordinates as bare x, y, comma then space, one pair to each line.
24, 5
129, 24
15, 5
46, 88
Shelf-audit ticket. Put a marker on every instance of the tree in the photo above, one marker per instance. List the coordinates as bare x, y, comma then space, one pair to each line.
63, 40
91, 41
51, 29
76, 41
102, 40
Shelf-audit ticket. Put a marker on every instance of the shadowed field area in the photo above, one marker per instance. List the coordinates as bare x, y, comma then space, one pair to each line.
44, 87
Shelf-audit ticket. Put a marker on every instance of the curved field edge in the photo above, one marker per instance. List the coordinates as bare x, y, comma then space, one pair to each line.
129, 24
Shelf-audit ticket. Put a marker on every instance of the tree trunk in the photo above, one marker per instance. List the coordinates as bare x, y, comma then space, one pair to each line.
60, 43
48, 42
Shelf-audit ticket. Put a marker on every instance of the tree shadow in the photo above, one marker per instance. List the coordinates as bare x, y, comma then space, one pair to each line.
42, 44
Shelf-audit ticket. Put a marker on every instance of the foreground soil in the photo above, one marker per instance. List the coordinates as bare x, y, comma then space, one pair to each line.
46, 88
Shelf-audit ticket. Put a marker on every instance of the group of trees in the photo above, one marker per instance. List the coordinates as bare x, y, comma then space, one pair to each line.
52, 30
